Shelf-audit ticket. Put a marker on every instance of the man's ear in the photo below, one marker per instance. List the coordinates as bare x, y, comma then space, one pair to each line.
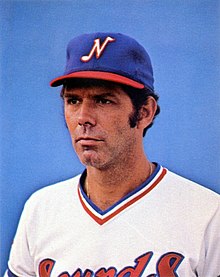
147, 112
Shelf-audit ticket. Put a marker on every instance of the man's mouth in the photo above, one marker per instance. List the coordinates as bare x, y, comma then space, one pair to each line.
88, 141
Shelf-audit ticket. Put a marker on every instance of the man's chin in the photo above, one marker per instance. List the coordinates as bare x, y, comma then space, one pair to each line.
89, 158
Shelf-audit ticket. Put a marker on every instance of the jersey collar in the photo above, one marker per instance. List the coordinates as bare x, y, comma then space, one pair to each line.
102, 217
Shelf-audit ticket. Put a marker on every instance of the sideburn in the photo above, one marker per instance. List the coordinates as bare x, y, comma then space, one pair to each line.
134, 118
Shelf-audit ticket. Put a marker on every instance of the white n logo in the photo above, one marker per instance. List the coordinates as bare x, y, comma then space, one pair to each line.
97, 49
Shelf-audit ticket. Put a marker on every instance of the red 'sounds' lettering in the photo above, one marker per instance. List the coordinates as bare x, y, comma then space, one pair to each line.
166, 266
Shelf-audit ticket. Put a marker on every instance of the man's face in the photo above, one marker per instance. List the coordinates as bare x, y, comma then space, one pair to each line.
98, 121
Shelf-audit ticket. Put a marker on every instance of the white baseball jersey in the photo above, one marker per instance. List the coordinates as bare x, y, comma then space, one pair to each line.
168, 226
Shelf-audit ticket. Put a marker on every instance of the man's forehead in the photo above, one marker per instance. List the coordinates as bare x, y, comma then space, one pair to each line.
94, 89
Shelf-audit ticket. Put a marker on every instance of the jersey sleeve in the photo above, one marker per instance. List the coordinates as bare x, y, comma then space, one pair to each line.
211, 247
20, 260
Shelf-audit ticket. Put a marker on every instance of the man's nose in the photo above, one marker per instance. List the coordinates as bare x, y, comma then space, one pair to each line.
86, 115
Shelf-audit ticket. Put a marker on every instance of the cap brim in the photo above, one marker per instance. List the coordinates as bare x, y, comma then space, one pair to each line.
107, 76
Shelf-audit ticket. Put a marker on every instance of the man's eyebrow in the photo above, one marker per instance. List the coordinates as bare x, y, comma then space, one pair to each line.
69, 95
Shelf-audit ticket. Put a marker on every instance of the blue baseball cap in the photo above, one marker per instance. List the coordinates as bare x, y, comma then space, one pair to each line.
108, 56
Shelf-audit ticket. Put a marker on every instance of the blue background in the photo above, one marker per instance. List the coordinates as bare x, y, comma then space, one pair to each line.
183, 40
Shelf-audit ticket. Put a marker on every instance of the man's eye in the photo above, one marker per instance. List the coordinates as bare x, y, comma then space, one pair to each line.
72, 101
103, 101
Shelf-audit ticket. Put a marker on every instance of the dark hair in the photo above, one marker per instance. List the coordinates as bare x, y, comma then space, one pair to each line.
139, 97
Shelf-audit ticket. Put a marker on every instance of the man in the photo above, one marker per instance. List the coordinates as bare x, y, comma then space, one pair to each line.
124, 216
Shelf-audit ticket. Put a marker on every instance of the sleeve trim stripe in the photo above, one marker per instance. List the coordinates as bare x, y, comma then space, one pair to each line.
10, 274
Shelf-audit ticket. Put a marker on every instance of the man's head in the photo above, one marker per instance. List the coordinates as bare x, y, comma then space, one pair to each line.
116, 66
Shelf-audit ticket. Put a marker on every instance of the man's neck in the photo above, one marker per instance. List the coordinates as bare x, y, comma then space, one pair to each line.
106, 187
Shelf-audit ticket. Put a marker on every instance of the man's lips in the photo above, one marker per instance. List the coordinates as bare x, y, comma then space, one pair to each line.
88, 140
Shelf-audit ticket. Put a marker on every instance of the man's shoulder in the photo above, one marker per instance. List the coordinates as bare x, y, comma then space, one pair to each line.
57, 191
192, 191
190, 184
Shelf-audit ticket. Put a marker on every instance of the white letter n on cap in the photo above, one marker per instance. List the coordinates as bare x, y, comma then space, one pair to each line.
97, 49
